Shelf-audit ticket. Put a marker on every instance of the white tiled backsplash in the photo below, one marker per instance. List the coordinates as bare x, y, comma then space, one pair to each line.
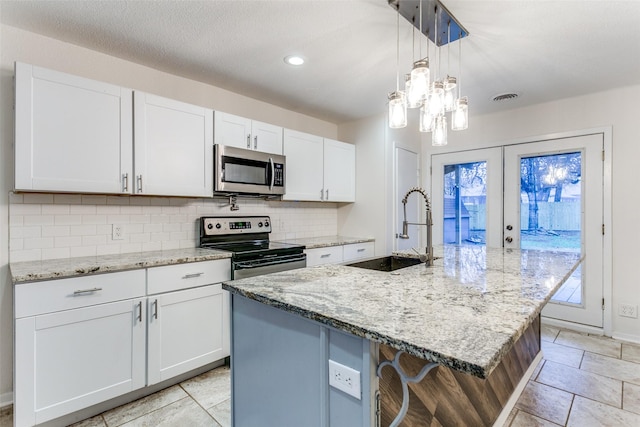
50, 226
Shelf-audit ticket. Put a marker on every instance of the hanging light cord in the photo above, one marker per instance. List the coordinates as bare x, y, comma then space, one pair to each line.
398, 50
460, 64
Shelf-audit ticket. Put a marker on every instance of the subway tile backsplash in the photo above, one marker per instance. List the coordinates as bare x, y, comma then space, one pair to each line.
50, 226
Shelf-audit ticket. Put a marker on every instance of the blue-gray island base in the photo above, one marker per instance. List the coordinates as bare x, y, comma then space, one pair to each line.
466, 313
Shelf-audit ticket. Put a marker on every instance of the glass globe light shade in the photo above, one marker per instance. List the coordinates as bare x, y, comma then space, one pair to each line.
439, 133
450, 84
460, 114
397, 110
436, 99
420, 78
426, 119
414, 99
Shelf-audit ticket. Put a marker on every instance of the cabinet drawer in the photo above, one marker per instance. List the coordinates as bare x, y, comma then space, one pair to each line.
183, 276
328, 255
63, 294
358, 250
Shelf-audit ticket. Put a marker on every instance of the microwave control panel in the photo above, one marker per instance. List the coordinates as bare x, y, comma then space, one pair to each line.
278, 175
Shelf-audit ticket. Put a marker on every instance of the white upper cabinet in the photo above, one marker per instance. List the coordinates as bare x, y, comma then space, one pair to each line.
71, 134
241, 132
173, 147
339, 171
318, 169
304, 170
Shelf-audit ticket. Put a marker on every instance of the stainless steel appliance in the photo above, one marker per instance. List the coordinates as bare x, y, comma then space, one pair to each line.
248, 172
247, 238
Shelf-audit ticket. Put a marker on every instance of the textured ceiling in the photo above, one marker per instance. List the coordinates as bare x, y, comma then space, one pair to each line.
543, 50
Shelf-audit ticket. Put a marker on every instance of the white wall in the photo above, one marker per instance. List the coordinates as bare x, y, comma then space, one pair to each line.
616, 108
173, 225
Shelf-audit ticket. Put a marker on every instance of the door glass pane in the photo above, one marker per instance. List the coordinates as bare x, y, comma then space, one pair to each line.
551, 211
465, 203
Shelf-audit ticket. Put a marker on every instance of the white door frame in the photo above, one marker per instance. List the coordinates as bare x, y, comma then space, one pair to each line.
607, 262
396, 197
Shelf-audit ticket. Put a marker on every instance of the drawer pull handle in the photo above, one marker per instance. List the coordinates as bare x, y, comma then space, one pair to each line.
361, 249
86, 291
192, 275
325, 255
140, 311
155, 309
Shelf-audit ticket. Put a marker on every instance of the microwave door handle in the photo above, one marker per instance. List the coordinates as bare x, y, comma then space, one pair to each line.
273, 173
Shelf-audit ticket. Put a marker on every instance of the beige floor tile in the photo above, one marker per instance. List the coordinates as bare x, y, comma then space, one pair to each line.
587, 413
562, 354
587, 384
211, 388
631, 397
96, 421
548, 333
631, 352
184, 412
613, 368
523, 419
222, 413
600, 345
545, 402
6, 416
135, 409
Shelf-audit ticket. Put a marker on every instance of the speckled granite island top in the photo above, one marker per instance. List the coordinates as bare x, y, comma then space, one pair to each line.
326, 241
30, 271
465, 312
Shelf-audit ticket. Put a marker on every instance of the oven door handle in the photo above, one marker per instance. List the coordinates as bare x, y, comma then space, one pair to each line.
240, 265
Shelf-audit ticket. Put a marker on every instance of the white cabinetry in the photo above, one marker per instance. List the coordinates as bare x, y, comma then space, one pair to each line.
241, 132
339, 254
71, 134
318, 169
66, 360
173, 147
187, 328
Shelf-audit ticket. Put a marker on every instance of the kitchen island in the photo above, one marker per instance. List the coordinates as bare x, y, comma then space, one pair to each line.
470, 323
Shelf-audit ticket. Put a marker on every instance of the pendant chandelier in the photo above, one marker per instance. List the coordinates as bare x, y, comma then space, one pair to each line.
426, 87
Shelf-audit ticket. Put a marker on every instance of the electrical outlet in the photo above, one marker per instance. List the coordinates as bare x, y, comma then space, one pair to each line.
117, 232
345, 379
628, 310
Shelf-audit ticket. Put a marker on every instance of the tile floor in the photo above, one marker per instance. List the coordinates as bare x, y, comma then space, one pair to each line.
582, 381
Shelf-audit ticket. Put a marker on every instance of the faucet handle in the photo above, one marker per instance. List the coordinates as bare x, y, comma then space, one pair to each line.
421, 257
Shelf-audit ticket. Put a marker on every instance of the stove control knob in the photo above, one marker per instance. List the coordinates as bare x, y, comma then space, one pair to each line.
266, 223
209, 226
259, 225
218, 226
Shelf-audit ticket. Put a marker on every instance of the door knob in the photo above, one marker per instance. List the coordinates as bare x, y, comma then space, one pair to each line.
509, 227
509, 239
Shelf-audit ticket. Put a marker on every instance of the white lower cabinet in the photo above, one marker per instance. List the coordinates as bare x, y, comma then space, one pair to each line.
81, 341
339, 254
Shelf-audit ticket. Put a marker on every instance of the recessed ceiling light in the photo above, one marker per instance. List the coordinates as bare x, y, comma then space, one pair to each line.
294, 60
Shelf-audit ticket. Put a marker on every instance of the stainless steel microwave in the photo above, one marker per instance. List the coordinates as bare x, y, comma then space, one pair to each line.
248, 172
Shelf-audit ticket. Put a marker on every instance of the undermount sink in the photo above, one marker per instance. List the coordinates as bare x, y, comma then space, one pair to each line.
387, 263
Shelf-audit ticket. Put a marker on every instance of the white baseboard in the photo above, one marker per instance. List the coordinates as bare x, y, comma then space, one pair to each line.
572, 326
6, 399
626, 337
506, 411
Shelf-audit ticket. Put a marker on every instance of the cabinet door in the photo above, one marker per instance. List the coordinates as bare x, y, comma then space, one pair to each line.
73, 359
72, 134
339, 171
173, 147
304, 171
187, 329
234, 131
266, 137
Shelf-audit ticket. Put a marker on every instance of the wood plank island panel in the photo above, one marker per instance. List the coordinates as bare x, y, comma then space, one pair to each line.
446, 397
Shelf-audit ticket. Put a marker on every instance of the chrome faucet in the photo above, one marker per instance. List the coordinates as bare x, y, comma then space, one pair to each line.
429, 223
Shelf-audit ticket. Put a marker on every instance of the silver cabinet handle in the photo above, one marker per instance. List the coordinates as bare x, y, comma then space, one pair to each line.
125, 182
192, 275
248, 141
361, 249
139, 179
325, 255
321, 194
86, 291
255, 142
327, 196
155, 309
140, 311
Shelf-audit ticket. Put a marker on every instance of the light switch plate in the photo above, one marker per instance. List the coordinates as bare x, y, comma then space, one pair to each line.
345, 379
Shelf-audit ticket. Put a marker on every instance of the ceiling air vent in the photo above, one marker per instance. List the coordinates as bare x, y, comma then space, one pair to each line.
505, 96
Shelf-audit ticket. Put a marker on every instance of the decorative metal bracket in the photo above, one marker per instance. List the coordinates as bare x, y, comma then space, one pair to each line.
405, 380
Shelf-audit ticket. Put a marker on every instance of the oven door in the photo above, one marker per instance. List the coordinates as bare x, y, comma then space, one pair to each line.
244, 269
245, 171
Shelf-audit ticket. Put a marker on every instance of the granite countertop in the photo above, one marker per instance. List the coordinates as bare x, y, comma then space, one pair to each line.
30, 271
464, 312
326, 241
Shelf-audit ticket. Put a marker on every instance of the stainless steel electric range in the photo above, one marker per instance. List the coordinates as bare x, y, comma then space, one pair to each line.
247, 237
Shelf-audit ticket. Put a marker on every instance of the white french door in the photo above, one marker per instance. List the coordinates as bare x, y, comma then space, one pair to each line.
538, 195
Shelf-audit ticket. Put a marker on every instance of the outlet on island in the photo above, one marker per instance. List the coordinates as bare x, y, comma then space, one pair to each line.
345, 379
